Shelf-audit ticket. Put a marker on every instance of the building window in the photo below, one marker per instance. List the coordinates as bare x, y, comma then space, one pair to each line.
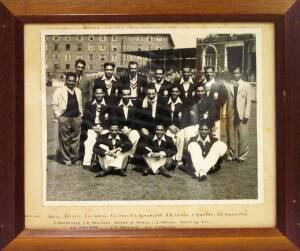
91, 38
139, 38
149, 38
79, 47
56, 47
55, 56
114, 48
102, 57
56, 66
79, 38
68, 47
91, 47
67, 66
67, 38
113, 38
210, 56
55, 38
139, 48
102, 38
91, 67
102, 47
67, 57
90, 56
114, 57
158, 48
159, 38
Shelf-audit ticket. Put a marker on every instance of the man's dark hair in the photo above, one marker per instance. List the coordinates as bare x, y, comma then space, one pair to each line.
109, 63
133, 62
160, 68
126, 87
71, 74
151, 86
113, 122
209, 67
160, 124
205, 122
80, 61
174, 86
98, 87
186, 66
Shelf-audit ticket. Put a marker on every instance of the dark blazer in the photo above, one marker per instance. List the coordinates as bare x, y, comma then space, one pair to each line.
201, 108
218, 93
167, 146
205, 148
113, 98
189, 99
119, 116
177, 118
144, 117
124, 143
141, 84
164, 92
88, 120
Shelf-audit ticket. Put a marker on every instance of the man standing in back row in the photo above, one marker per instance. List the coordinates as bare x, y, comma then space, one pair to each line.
238, 114
217, 92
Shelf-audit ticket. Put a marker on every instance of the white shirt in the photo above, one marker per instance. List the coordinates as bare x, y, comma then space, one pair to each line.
163, 138
125, 107
146, 104
173, 104
158, 85
97, 120
114, 140
108, 82
186, 85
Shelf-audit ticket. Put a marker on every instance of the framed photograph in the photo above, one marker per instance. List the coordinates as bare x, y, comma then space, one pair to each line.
165, 127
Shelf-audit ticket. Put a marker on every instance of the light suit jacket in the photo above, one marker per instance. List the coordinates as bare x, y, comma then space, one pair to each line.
60, 100
243, 100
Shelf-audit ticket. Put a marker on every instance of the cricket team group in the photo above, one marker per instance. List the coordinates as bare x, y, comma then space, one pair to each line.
158, 125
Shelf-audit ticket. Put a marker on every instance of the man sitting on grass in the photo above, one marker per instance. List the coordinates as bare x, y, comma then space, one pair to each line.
205, 151
157, 152
112, 150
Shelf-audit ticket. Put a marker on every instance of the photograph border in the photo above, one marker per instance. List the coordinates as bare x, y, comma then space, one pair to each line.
14, 15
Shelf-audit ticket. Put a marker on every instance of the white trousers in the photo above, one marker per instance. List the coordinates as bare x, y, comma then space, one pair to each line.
89, 145
155, 163
119, 162
183, 138
134, 137
203, 164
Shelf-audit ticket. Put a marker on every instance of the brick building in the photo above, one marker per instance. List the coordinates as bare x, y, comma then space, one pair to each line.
63, 50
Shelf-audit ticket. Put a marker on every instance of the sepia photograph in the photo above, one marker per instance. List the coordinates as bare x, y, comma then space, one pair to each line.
147, 116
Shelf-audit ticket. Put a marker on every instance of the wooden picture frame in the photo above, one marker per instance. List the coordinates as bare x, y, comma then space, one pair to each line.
283, 13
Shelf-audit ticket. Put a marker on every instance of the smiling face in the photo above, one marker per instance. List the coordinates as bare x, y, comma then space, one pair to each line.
159, 131
70, 82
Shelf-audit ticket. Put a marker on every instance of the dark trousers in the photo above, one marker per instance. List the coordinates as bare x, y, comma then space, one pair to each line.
68, 136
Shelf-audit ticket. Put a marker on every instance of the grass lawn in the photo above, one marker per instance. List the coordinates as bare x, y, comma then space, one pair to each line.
73, 183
